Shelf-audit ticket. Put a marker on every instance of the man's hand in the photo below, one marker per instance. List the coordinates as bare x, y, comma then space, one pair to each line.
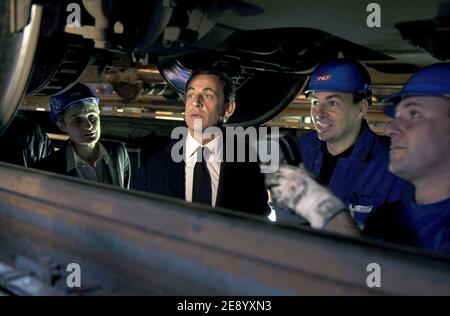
293, 188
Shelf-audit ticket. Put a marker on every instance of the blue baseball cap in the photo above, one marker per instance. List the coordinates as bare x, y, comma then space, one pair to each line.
340, 75
78, 93
433, 80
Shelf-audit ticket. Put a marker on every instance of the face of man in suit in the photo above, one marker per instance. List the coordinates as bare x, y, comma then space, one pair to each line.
205, 106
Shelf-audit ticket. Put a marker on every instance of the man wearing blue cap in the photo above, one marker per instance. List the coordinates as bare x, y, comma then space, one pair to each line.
76, 113
343, 153
419, 153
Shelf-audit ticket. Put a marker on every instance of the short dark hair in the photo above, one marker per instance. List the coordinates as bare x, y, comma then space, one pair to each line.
229, 92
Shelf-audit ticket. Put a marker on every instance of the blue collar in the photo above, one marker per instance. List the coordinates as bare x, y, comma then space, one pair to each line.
418, 215
363, 144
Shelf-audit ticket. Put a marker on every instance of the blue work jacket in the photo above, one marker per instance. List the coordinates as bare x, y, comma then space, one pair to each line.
362, 180
406, 222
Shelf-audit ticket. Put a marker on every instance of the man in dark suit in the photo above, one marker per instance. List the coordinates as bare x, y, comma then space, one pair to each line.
197, 168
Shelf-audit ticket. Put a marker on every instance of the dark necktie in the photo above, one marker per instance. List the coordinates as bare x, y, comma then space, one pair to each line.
201, 190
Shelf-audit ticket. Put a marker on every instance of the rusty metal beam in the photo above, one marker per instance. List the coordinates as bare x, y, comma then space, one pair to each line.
163, 246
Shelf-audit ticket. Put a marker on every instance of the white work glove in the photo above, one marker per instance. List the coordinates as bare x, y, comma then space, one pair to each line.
294, 188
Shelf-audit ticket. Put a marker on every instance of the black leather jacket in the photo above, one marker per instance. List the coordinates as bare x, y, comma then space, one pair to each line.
24, 143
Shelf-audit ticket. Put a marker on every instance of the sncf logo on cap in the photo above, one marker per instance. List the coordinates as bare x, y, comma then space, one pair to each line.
323, 77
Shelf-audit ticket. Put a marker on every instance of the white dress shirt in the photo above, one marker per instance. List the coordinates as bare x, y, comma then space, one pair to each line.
98, 172
213, 160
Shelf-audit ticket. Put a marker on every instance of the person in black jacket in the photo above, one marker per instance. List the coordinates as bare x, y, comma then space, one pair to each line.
202, 171
76, 113
24, 143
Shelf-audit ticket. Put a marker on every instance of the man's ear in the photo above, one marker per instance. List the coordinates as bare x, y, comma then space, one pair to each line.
364, 107
229, 109
61, 125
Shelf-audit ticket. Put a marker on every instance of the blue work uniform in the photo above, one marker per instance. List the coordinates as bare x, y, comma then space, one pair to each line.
406, 222
362, 179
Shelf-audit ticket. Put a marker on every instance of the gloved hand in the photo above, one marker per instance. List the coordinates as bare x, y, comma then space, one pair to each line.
293, 188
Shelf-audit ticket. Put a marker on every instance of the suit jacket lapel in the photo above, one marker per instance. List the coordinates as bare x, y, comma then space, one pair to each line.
114, 170
114, 165
175, 172
224, 173
60, 161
